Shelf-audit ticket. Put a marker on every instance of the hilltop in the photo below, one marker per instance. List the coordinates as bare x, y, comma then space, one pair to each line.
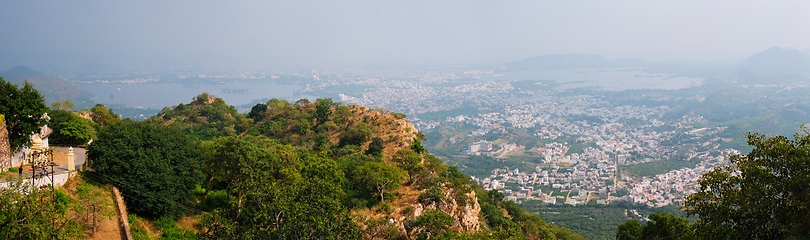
776, 60
52, 88
774, 65
366, 146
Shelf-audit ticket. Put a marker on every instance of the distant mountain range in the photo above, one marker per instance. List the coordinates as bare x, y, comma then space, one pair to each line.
571, 61
777, 61
773, 65
52, 88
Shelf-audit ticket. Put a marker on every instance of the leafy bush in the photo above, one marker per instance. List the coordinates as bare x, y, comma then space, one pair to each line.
376, 147
135, 226
384, 209
356, 136
461, 195
302, 127
165, 222
434, 222
215, 199
408, 210
433, 194
62, 200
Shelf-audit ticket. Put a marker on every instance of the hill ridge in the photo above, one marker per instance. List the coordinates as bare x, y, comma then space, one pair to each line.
19, 71
53, 89
355, 136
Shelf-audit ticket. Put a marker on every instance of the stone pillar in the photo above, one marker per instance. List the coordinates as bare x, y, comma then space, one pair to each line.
71, 156
36, 147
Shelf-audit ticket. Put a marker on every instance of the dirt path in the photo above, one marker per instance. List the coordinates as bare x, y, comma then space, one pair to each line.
107, 225
591, 196
567, 195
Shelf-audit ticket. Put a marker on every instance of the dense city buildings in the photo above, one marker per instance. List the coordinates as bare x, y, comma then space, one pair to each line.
584, 148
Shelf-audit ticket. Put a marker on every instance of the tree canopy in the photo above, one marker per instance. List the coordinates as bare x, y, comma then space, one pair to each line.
763, 195
155, 166
662, 225
433, 222
257, 111
323, 109
410, 161
356, 135
380, 176
23, 109
103, 115
376, 147
288, 194
69, 128
63, 105
206, 117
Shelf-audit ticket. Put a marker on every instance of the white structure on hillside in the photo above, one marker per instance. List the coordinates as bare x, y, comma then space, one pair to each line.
41, 137
479, 147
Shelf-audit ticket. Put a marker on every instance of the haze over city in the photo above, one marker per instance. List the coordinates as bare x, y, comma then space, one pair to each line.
44, 34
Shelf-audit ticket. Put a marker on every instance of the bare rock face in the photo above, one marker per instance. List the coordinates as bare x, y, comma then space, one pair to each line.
466, 217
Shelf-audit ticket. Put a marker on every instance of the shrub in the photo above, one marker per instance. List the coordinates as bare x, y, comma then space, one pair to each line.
433, 194
136, 229
461, 195
62, 200
384, 209
428, 180
216, 199
434, 221
355, 203
356, 136
408, 210
165, 222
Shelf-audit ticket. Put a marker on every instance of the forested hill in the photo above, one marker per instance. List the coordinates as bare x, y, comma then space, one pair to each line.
52, 88
318, 169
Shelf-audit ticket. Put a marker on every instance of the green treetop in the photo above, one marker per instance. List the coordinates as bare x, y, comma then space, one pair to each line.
23, 109
762, 195
155, 166
380, 176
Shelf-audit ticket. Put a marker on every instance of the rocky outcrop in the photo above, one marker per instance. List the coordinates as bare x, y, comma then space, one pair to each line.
466, 216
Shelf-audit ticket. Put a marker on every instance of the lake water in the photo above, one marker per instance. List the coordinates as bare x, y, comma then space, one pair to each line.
603, 79
159, 95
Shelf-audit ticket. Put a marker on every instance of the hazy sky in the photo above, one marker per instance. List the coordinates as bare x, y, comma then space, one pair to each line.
72, 33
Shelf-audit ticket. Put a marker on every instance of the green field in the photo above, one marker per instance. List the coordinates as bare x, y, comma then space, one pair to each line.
593, 221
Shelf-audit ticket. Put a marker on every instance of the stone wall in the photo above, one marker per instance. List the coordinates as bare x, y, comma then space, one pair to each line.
5, 146
59, 179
